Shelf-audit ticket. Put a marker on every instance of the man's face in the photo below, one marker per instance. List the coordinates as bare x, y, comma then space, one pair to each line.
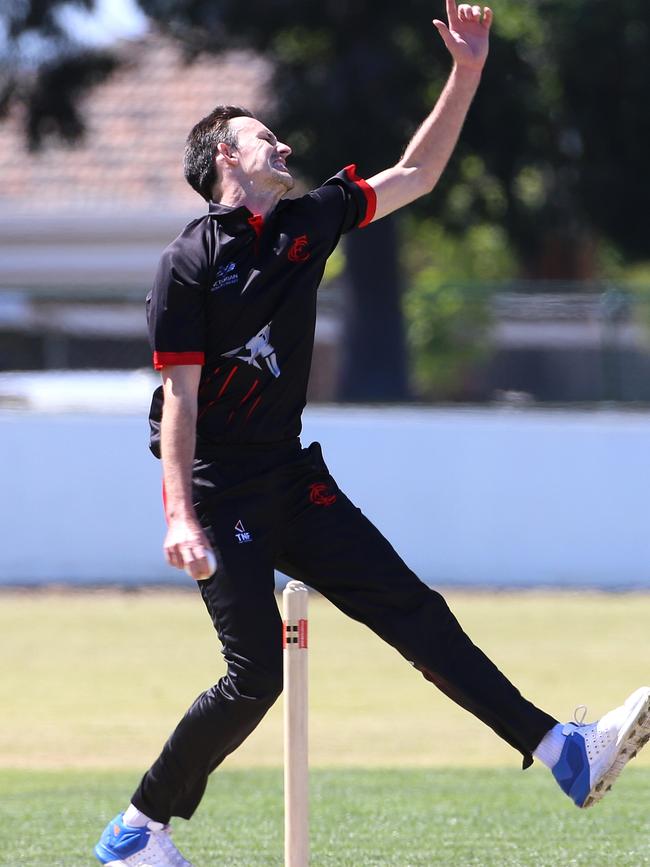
262, 158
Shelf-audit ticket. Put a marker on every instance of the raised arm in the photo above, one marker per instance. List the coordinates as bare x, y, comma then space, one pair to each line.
467, 38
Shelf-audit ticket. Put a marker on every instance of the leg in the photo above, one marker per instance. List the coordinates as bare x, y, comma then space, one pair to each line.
241, 602
332, 546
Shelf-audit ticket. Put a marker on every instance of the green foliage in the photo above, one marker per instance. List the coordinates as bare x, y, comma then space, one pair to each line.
560, 122
46, 71
446, 308
335, 266
631, 283
638, 274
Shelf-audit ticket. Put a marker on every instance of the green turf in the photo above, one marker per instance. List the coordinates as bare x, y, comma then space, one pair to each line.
147, 655
91, 684
360, 818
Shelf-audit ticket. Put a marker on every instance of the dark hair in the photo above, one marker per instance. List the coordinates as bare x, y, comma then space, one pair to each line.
201, 145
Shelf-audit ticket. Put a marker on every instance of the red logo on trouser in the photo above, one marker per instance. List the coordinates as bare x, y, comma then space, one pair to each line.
320, 495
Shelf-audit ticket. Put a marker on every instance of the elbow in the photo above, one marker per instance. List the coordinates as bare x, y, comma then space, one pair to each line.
427, 181
428, 186
421, 180
179, 408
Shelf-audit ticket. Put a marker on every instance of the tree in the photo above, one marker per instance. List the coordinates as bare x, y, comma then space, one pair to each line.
561, 131
45, 70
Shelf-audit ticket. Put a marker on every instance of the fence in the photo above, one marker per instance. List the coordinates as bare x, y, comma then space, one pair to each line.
509, 342
534, 341
495, 497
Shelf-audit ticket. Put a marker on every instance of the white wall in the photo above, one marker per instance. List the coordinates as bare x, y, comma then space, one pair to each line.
466, 496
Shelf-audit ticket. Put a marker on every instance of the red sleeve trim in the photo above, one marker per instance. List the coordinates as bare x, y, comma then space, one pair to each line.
368, 192
164, 359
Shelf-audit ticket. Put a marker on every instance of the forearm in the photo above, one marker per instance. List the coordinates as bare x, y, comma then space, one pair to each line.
177, 442
186, 545
429, 150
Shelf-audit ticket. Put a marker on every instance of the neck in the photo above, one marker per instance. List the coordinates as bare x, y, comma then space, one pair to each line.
257, 201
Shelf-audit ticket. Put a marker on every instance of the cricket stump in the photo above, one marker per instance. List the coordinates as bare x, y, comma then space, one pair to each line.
296, 762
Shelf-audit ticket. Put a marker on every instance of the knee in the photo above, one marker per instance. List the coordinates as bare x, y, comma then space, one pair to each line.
256, 681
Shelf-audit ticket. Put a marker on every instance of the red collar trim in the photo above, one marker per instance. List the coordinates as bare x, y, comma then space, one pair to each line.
256, 221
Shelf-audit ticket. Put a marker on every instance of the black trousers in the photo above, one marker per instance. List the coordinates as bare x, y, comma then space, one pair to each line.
265, 508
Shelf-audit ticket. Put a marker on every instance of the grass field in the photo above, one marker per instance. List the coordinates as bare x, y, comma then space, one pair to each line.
392, 818
91, 683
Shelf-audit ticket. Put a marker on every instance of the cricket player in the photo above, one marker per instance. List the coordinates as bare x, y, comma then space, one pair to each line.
231, 318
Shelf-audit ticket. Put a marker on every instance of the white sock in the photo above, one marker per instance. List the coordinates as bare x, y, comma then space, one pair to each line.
549, 748
134, 818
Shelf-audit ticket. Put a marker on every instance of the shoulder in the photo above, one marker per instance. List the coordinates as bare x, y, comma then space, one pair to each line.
340, 187
326, 196
188, 254
346, 197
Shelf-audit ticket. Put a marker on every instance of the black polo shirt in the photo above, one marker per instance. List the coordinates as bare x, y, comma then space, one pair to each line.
236, 294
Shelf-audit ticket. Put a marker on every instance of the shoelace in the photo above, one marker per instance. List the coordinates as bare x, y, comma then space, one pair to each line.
579, 714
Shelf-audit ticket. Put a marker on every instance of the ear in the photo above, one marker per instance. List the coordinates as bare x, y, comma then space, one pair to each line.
227, 153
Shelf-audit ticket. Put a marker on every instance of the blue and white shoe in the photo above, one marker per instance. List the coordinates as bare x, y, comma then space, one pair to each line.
123, 846
594, 754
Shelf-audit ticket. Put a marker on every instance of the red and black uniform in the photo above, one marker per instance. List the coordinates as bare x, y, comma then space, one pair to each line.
237, 295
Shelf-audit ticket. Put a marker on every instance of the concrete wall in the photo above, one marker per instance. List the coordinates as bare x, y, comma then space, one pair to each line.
466, 496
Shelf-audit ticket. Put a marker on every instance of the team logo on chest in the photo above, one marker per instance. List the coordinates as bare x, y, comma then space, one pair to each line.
226, 276
298, 250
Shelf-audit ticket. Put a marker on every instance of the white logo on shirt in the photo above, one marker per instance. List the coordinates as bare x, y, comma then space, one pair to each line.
257, 347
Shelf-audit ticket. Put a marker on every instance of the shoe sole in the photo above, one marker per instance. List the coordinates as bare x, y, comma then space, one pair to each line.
633, 736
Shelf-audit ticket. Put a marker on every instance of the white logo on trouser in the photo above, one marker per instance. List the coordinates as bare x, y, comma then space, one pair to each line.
241, 534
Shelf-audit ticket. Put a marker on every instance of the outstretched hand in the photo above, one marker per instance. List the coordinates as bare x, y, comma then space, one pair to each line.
467, 33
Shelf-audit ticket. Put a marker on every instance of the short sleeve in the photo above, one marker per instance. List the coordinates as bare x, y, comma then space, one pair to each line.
176, 310
359, 199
